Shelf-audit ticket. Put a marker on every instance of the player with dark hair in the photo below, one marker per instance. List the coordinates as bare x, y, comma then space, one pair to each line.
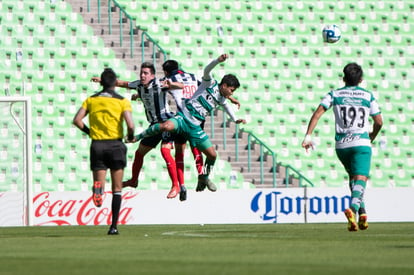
352, 107
153, 94
107, 110
190, 82
209, 95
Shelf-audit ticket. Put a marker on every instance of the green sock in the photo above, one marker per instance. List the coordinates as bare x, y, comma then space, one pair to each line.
357, 194
362, 204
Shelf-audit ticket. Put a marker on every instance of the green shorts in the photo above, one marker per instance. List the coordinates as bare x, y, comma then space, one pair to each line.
356, 160
194, 133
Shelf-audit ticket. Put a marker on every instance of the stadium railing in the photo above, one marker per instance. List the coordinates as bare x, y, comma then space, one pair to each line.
122, 13
300, 176
264, 151
133, 29
155, 47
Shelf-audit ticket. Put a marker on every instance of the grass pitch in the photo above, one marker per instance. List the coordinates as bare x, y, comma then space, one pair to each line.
385, 248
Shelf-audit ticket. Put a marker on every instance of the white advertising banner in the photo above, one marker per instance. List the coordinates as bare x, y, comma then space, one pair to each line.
284, 205
11, 209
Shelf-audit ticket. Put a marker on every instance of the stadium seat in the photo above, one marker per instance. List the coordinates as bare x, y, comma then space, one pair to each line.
290, 41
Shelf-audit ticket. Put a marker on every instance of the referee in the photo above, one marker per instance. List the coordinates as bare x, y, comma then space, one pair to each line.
107, 111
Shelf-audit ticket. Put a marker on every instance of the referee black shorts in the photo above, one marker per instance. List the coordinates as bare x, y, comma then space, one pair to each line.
107, 154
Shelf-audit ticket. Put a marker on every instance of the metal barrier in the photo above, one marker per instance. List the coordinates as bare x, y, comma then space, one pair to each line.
265, 150
155, 46
301, 177
123, 14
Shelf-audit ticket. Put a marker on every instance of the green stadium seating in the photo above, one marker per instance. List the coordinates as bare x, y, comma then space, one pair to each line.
273, 44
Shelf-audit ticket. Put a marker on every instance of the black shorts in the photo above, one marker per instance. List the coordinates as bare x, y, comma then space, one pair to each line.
108, 154
153, 141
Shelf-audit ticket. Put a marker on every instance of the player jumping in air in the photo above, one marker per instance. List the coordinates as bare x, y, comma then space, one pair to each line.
209, 95
153, 94
190, 85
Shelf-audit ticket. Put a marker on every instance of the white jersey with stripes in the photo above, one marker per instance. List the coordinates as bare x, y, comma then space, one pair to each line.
154, 98
352, 107
206, 99
190, 82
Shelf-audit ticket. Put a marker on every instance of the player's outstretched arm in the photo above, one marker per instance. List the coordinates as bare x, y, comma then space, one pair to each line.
307, 141
211, 65
234, 101
222, 57
170, 85
119, 83
96, 79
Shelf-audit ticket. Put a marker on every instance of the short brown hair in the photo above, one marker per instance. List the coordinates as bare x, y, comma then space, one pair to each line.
230, 80
148, 65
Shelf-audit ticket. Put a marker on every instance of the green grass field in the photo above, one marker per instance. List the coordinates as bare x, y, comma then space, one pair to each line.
385, 248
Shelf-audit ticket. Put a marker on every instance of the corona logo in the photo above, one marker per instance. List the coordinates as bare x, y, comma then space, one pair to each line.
273, 205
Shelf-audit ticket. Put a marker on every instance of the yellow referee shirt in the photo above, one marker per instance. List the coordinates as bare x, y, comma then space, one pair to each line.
105, 110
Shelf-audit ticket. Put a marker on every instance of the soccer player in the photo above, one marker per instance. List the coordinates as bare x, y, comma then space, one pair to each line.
107, 110
209, 95
352, 107
153, 94
191, 83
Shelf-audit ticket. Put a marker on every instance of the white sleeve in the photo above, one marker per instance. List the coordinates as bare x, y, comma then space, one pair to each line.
207, 70
327, 101
375, 109
229, 110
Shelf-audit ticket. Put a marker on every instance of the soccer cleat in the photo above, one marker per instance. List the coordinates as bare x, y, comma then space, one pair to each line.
204, 182
183, 193
363, 221
173, 193
97, 193
130, 183
211, 186
113, 231
201, 184
352, 224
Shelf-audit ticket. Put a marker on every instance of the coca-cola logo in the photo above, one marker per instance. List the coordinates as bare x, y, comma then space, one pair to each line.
78, 211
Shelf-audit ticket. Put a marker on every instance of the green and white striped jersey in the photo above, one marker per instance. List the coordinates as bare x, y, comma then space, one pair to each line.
352, 106
206, 99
